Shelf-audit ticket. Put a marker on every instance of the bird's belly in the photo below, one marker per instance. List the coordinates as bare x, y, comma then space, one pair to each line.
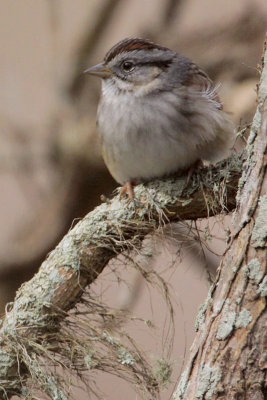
144, 144
144, 161
146, 155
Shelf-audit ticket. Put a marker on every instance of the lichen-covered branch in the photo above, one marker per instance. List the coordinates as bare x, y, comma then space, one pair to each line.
113, 227
228, 357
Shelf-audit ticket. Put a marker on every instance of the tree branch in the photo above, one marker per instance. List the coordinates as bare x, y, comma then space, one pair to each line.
82, 254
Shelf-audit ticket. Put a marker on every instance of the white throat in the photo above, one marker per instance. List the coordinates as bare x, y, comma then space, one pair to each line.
115, 86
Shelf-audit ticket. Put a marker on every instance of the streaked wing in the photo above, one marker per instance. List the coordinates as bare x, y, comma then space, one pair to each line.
199, 80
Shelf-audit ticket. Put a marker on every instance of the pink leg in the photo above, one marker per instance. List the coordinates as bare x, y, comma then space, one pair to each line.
128, 188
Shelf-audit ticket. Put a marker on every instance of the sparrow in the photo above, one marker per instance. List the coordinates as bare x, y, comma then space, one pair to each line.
158, 114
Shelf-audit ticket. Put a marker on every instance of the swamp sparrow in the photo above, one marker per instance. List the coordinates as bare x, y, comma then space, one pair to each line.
158, 114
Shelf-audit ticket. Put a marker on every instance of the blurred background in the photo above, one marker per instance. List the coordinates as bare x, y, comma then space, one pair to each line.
51, 170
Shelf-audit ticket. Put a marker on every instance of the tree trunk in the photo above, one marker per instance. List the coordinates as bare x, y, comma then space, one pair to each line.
228, 359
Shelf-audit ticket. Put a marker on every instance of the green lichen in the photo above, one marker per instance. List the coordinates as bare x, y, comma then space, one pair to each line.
163, 371
259, 234
6, 362
227, 323
125, 357
164, 192
202, 310
108, 338
181, 389
30, 305
207, 383
234, 268
66, 253
253, 270
88, 361
243, 319
243, 179
256, 124
201, 315
262, 291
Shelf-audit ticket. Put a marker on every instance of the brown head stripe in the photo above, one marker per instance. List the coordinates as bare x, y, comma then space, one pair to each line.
129, 45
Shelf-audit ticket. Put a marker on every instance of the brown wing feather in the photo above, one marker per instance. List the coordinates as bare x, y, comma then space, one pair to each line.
199, 80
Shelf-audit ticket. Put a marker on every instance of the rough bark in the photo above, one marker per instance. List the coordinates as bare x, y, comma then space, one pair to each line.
229, 356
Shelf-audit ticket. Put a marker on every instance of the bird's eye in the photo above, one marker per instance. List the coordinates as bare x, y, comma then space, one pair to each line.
127, 66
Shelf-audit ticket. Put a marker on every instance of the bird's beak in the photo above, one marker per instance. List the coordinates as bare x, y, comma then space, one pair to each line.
100, 70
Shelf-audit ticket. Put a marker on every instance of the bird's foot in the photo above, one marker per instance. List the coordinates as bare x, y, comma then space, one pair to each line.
128, 189
191, 170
